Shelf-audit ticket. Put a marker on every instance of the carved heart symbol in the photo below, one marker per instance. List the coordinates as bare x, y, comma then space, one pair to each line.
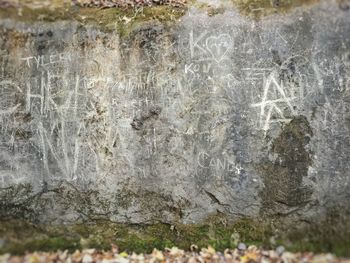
218, 46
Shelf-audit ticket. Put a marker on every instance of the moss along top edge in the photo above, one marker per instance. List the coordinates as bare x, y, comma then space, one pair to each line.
123, 18
261, 8
256, 9
111, 19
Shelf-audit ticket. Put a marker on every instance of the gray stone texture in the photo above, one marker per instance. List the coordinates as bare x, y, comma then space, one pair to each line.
221, 114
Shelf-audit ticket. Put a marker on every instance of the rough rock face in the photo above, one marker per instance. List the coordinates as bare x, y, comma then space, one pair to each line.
221, 114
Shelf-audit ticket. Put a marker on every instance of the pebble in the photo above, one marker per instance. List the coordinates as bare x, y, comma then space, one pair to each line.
87, 259
121, 260
280, 250
242, 246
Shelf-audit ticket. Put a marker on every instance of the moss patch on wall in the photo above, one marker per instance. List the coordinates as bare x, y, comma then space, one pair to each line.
21, 236
256, 9
108, 20
260, 8
124, 20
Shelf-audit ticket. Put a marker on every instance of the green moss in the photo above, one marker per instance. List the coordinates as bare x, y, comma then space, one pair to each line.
113, 19
21, 236
46, 244
256, 8
125, 20
317, 241
133, 243
260, 8
213, 11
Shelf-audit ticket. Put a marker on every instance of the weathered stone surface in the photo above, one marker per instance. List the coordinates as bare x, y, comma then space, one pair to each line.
213, 114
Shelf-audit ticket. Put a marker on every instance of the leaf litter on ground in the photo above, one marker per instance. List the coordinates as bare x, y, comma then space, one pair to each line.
251, 254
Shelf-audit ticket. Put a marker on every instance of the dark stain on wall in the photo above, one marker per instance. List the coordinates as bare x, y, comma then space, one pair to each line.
283, 176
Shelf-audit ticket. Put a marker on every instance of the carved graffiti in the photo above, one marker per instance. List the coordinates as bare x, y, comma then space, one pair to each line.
273, 99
